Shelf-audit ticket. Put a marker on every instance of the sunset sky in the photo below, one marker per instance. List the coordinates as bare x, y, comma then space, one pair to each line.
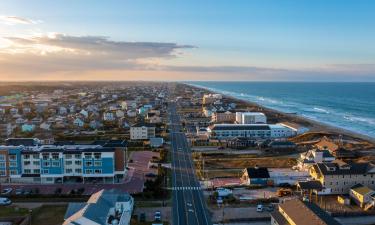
268, 40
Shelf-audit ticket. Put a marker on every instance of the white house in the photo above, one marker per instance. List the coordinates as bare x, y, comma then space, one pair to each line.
142, 132
78, 122
309, 158
108, 116
106, 207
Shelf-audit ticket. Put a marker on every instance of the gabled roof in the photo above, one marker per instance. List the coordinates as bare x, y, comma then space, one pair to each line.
336, 169
361, 189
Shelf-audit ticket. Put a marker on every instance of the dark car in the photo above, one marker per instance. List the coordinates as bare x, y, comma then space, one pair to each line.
142, 217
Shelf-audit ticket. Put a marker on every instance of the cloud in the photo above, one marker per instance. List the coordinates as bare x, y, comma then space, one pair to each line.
12, 20
58, 52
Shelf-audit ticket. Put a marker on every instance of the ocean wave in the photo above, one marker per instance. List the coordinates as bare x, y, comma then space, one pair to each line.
370, 121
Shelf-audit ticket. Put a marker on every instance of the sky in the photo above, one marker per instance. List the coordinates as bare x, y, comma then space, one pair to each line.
251, 40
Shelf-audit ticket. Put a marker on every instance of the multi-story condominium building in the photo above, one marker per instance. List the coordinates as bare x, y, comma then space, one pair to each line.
142, 132
338, 177
223, 116
251, 118
263, 131
103, 162
211, 98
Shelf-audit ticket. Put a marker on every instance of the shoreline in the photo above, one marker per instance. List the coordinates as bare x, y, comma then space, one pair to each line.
313, 125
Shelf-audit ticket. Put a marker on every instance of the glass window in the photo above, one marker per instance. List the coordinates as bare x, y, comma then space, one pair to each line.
27, 156
2, 157
12, 157
46, 164
45, 156
13, 172
56, 164
2, 164
12, 164
36, 163
45, 171
55, 156
68, 163
78, 170
68, 156
77, 156
88, 163
88, 171
97, 155
98, 163
2, 173
26, 163
68, 171
36, 171
97, 171
88, 155
27, 171
78, 163
36, 156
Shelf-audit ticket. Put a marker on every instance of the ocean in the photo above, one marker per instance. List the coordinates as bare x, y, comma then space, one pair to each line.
346, 105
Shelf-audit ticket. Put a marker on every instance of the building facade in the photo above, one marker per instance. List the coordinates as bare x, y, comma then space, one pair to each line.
62, 163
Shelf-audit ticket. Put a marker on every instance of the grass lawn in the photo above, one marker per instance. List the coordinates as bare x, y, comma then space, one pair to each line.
49, 215
9, 211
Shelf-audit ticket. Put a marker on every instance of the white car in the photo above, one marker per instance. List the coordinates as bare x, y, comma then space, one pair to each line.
259, 208
6, 191
5, 201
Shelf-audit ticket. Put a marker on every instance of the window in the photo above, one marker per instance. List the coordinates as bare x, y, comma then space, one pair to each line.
88, 155
36, 156
98, 163
68, 156
12, 157
12, 164
2, 173
77, 156
26, 163
56, 164
68, 163
97, 171
27, 156
27, 171
97, 155
36, 171
88, 163
2, 164
45, 172
46, 164
55, 156
68, 171
36, 163
78, 163
45, 156
2, 157
78, 170
13, 172
88, 171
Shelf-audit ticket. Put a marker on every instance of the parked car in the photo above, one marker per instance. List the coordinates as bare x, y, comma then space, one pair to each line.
223, 192
142, 217
5, 201
157, 216
19, 191
6, 191
259, 208
152, 175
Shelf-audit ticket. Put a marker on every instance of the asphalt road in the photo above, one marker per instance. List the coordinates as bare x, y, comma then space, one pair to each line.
189, 206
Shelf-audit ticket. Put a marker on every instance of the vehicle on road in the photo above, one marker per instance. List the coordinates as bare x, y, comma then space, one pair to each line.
5, 201
189, 204
259, 208
6, 191
281, 192
157, 216
191, 210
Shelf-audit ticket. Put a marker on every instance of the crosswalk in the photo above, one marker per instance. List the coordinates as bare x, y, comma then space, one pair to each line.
186, 188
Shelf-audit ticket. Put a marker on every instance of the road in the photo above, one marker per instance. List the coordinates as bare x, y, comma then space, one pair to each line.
189, 206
